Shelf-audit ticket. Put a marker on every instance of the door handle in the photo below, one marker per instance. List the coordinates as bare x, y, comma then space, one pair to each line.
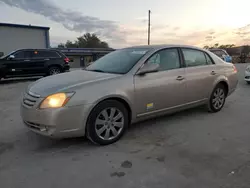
26, 60
180, 78
46, 59
213, 73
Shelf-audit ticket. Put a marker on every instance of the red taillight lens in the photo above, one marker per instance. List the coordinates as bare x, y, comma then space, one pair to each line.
66, 60
235, 69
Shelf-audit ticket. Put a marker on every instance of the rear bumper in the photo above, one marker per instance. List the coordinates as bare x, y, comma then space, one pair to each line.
66, 68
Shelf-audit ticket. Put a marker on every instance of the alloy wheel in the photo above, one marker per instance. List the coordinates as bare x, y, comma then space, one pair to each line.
218, 98
109, 123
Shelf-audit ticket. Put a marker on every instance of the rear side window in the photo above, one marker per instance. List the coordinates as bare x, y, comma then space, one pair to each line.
209, 60
22, 55
194, 58
45, 54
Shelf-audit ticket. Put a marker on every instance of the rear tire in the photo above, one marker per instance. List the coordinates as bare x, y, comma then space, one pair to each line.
54, 70
107, 122
248, 82
217, 99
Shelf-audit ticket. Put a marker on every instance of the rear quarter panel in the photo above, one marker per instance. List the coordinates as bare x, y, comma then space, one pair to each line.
226, 73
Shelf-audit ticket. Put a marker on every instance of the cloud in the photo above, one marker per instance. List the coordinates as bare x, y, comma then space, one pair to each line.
71, 20
118, 35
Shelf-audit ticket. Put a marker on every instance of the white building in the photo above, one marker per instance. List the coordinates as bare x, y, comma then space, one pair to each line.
15, 36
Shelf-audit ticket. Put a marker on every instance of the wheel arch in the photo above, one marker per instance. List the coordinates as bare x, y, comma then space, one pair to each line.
221, 80
55, 65
118, 98
225, 84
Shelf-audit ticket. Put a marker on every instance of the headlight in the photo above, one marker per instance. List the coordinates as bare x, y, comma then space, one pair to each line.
56, 100
248, 69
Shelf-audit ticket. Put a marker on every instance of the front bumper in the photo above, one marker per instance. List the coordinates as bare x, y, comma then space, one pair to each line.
58, 123
247, 76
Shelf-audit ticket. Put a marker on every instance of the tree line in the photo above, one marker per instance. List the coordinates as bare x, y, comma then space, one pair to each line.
91, 40
87, 40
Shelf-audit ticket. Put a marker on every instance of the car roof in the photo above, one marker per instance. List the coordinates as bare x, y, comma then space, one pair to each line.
160, 46
37, 49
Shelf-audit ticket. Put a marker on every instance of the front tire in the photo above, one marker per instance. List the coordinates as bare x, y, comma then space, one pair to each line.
248, 82
217, 98
107, 122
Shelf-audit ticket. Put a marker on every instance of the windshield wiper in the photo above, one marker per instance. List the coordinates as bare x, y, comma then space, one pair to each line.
95, 70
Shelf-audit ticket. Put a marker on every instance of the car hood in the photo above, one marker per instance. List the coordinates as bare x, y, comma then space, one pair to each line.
67, 81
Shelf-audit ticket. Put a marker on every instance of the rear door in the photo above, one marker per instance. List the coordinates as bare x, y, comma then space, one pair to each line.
40, 58
45, 58
200, 74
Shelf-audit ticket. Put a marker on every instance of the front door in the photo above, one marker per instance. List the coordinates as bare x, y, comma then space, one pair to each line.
162, 90
20, 65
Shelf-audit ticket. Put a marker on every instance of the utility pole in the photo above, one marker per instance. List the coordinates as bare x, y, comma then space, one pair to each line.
149, 12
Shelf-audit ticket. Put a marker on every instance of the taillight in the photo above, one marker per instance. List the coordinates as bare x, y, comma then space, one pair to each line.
66, 60
235, 69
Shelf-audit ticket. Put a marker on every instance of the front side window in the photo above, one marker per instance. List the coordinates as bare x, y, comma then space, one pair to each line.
119, 61
22, 55
194, 58
209, 60
167, 59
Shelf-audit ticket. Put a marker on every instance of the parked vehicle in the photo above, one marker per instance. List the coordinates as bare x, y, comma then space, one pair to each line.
222, 54
33, 62
247, 74
124, 87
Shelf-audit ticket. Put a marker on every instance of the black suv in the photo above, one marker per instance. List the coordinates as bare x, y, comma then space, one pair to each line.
33, 62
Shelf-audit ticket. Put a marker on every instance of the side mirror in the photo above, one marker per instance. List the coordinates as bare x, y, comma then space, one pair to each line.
148, 68
11, 57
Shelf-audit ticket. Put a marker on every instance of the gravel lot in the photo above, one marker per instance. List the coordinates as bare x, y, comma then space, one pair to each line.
191, 149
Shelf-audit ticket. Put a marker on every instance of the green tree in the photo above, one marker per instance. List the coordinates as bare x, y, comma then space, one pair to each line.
88, 40
61, 45
217, 45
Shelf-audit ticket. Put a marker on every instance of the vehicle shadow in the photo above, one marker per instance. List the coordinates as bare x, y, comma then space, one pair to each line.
18, 80
137, 132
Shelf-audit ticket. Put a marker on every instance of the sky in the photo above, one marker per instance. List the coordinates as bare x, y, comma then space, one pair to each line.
124, 23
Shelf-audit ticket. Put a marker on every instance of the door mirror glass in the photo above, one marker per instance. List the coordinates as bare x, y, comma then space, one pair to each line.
11, 57
148, 68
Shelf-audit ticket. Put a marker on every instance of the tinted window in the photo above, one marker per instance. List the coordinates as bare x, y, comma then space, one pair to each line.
22, 55
45, 54
167, 59
209, 60
219, 53
119, 61
194, 57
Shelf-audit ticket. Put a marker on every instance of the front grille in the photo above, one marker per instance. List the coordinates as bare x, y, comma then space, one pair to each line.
30, 99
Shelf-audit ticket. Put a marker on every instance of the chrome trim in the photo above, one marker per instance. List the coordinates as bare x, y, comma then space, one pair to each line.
170, 108
34, 94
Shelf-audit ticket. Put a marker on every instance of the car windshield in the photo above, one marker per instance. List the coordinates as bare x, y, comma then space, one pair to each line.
119, 61
4, 56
